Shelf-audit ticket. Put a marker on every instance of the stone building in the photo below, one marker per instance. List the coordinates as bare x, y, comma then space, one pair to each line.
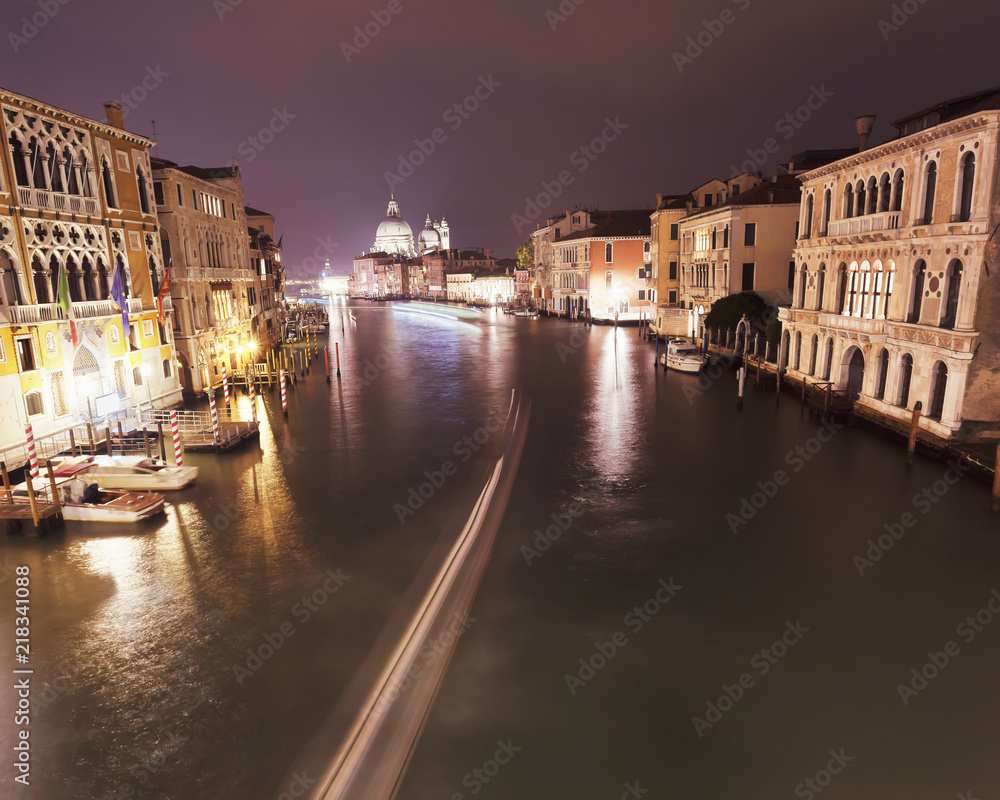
543, 239
214, 285
897, 291
744, 244
267, 316
76, 196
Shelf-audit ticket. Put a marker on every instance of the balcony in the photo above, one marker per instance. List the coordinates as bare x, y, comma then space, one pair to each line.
87, 309
870, 223
39, 198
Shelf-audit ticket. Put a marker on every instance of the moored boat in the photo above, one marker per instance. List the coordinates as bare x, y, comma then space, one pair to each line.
683, 357
136, 473
88, 505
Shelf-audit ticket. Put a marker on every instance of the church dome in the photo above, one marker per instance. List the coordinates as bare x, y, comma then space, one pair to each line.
394, 235
429, 239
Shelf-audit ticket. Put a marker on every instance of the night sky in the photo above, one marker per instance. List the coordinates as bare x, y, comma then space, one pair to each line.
344, 120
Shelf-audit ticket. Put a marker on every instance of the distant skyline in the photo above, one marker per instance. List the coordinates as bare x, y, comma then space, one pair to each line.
470, 111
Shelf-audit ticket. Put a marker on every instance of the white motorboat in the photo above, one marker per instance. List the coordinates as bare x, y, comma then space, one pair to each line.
137, 473
683, 357
112, 505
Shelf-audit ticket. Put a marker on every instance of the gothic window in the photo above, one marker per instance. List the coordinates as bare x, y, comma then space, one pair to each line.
820, 286
898, 183
802, 286
884, 193
38, 280
905, 377
952, 293
930, 190
939, 385
967, 180
109, 187
872, 195
609, 253
917, 298
827, 203
807, 233
881, 373
852, 300
828, 364
848, 201
18, 157
841, 288
143, 190
860, 196
10, 281
55, 171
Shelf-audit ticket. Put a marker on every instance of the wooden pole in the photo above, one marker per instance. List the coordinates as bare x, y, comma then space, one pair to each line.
32, 501
163, 444
90, 436
6, 482
145, 440
72, 443
803, 391
826, 399
109, 440
337, 346
914, 427
52, 485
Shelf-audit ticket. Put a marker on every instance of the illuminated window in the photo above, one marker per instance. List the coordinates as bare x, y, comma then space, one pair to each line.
609, 278
702, 238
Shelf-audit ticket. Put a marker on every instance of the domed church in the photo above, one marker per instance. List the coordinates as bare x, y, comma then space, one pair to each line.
395, 236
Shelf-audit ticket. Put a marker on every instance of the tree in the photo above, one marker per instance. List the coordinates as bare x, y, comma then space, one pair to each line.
526, 255
727, 312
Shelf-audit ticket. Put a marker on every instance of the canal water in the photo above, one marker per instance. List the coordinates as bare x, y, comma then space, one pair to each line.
684, 599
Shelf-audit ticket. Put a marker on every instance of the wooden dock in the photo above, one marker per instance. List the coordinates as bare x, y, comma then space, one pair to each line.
231, 436
41, 505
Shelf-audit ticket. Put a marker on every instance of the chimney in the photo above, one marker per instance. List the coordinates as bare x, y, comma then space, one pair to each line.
659, 199
864, 125
114, 115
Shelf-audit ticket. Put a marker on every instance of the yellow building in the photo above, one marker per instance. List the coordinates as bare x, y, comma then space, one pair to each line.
76, 194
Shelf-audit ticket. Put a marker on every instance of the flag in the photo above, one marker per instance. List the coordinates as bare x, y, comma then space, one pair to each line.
118, 294
64, 301
164, 291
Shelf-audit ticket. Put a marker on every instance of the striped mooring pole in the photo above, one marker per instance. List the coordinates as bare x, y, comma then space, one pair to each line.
32, 455
175, 430
225, 386
284, 393
215, 417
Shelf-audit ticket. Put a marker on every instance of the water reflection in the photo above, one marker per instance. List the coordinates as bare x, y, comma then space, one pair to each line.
613, 413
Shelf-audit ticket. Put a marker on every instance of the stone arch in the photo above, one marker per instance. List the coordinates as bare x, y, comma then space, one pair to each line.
852, 371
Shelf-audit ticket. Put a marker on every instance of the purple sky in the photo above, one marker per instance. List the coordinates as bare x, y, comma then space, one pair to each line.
323, 175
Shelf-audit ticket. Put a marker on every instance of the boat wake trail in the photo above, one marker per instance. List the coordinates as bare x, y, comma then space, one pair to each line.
372, 759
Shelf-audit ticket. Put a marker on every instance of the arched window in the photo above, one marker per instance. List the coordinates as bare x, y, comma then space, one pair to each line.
103, 280
852, 299
872, 195
647, 249
968, 180
609, 279
803, 274
38, 179
820, 286
905, 377
38, 281
827, 203
930, 190
54, 277
33, 403
952, 293
828, 364
807, 228
813, 349
73, 278
848, 201
715, 238
89, 279
939, 386
884, 193
841, 289
864, 289
877, 309
917, 297
72, 172
725, 237
10, 281
898, 184
55, 169
137, 375
890, 282
85, 187
168, 368
860, 197
19, 157
881, 373
609, 253
109, 187
798, 349
143, 190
